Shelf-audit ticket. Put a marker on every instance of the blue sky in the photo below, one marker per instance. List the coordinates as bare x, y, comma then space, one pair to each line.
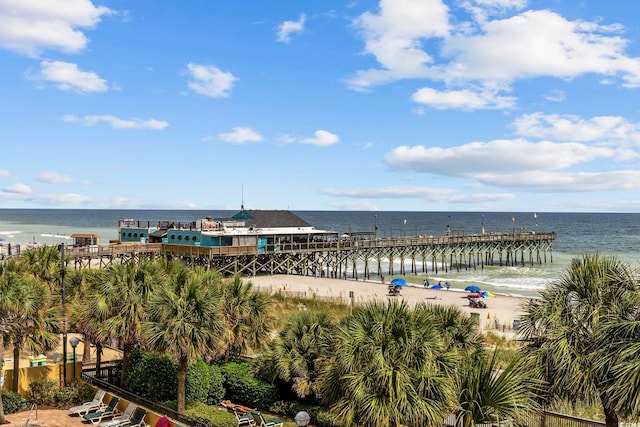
415, 105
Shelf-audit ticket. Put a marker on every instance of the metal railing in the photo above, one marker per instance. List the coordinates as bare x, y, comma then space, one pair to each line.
140, 401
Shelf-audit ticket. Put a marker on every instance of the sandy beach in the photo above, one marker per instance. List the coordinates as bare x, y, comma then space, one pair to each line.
499, 315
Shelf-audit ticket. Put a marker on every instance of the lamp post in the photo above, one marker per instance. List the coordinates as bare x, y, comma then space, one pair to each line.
74, 343
375, 226
64, 316
302, 419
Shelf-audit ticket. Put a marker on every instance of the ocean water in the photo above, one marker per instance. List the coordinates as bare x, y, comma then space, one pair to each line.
615, 234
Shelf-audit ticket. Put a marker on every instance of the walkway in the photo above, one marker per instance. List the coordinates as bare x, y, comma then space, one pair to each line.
45, 418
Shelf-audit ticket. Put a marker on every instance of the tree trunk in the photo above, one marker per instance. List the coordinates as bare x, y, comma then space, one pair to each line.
98, 359
182, 382
610, 417
86, 350
16, 367
126, 355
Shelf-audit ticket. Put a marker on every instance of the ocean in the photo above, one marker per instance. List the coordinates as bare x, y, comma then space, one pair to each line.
609, 233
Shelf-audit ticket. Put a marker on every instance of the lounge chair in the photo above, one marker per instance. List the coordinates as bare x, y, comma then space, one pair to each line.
120, 419
163, 421
96, 404
261, 421
109, 411
244, 418
137, 419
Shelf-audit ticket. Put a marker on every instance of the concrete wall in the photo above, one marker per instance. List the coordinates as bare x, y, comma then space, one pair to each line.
28, 374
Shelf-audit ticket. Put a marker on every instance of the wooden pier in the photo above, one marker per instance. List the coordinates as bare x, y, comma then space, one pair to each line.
343, 258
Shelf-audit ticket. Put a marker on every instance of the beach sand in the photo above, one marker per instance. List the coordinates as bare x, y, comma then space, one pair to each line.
498, 317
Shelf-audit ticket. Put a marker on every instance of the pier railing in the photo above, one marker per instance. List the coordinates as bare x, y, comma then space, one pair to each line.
310, 245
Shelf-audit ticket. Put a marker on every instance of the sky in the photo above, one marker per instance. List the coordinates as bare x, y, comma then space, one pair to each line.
390, 105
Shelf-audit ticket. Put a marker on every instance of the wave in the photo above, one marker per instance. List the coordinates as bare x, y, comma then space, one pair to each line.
59, 236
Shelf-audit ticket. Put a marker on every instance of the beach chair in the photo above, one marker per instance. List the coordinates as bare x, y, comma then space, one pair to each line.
244, 418
261, 421
163, 421
94, 405
120, 419
109, 411
137, 419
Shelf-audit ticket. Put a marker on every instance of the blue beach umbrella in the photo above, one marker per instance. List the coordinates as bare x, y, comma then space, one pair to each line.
399, 281
472, 288
437, 287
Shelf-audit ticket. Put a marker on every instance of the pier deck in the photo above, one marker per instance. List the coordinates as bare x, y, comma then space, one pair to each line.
341, 258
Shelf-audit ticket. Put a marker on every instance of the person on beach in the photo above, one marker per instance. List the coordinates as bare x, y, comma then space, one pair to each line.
447, 285
426, 283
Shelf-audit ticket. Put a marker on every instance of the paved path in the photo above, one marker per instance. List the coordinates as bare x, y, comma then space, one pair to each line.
45, 418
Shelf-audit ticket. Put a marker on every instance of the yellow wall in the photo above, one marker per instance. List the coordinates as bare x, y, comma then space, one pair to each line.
28, 374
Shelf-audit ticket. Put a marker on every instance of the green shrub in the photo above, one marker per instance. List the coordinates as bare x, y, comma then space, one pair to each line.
12, 402
242, 387
153, 377
198, 382
210, 416
323, 418
43, 392
86, 392
66, 396
216, 386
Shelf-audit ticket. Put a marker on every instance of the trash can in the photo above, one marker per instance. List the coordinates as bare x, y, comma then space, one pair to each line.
475, 317
516, 324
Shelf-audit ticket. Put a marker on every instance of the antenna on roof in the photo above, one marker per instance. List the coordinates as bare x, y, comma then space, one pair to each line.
242, 198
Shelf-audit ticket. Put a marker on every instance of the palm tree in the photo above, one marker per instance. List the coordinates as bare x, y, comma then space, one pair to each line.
296, 355
488, 393
459, 330
568, 331
43, 263
9, 309
126, 289
388, 367
89, 311
246, 315
35, 323
620, 347
185, 321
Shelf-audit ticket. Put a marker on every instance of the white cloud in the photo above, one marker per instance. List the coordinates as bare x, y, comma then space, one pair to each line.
495, 157
209, 80
54, 178
117, 123
68, 76
465, 99
394, 37
575, 128
4, 173
431, 194
289, 27
539, 43
413, 39
555, 96
17, 189
555, 182
322, 138
240, 135
31, 26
